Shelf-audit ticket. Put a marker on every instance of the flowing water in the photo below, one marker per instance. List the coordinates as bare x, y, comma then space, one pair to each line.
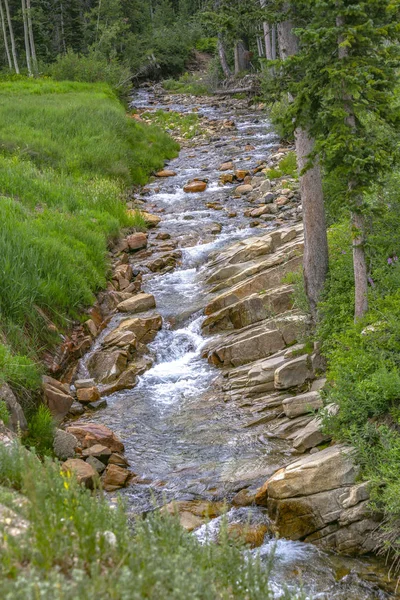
179, 434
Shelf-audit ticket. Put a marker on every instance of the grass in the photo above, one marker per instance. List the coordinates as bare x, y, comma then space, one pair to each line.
287, 167
186, 125
186, 84
67, 154
78, 546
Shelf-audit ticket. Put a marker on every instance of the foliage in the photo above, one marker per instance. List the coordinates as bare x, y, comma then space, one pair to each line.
287, 167
186, 125
207, 44
92, 68
41, 431
68, 150
78, 546
186, 84
4, 414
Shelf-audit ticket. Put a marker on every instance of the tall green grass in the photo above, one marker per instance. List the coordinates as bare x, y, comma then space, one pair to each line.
78, 546
67, 153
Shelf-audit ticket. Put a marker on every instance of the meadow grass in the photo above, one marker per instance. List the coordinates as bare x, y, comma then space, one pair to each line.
67, 154
78, 546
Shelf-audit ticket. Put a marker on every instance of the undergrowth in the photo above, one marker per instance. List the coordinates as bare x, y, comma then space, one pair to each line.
186, 125
78, 546
287, 167
186, 84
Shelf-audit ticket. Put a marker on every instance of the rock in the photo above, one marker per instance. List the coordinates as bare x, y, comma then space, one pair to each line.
85, 473
226, 178
64, 444
144, 328
240, 174
195, 186
150, 219
194, 513
138, 303
244, 189
57, 398
90, 434
252, 535
190, 522
76, 410
118, 459
91, 394
102, 453
136, 241
96, 464
310, 436
99, 404
90, 327
84, 383
265, 187
165, 173
293, 373
226, 166
329, 469
216, 228
107, 365
163, 235
243, 498
302, 404
12, 525
120, 339
115, 477
17, 418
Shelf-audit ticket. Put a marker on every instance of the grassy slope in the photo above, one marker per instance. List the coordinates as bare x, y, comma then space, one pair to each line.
67, 153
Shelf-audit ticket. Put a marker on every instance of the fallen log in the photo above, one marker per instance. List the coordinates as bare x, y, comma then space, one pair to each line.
235, 91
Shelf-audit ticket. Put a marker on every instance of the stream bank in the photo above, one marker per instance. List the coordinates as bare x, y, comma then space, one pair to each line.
196, 423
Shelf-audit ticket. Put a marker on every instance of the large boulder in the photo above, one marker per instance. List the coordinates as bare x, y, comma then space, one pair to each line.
312, 435
293, 373
301, 404
138, 303
89, 434
17, 418
57, 397
64, 444
115, 477
106, 366
144, 328
195, 186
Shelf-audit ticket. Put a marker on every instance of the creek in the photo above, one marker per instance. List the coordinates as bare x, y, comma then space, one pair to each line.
182, 435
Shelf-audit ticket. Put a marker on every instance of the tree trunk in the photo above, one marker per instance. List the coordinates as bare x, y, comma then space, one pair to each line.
3, 27
31, 37
316, 258
222, 57
273, 42
241, 57
26, 39
10, 28
357, 218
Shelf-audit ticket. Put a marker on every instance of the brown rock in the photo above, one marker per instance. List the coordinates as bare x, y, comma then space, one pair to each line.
244, 189
251, 535
166, 173
150, 219
243, 498
195, 186
240, 174
98, 451
115, 477
138, 303
85, 473
136, 241
107, 365
17, 418
91, 394
226, 166
57, 398
90, 434
226, 178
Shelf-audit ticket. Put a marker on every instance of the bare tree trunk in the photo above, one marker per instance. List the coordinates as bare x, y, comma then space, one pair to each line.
31, 37
10, 28
241, 57
357, 218
3, 26
273, 42
316, 258
26, 39
222, 57
62, 28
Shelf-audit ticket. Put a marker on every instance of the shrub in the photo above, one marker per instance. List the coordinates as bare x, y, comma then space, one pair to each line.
207, 44
41, 431
91, 68
186, 84
287, 167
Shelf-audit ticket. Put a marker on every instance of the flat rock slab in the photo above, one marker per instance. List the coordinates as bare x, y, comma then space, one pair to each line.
138, 303
301, 404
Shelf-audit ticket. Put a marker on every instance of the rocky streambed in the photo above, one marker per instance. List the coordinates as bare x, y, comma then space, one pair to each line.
194, 391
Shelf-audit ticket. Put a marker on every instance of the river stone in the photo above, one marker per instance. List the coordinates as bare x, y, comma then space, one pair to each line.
302, 404
195, 186
102, 453
120, 339
115, 477
249, 347
226, 166
17, 420
90, 434
331, 468
293, 373
96, 464
136, 241
91, 394
265, 186
84, 383
250, 534
64, 444
107, 365
57, 398
138, 303
150, 219
166, 173
244, 189
310, 436
144, 328
85, 473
